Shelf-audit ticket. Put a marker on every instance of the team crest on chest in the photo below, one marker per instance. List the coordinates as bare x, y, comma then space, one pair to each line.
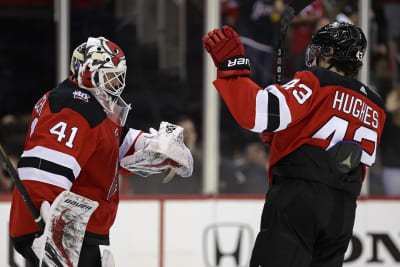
81, 95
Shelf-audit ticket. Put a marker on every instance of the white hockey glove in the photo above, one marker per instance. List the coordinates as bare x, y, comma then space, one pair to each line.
164, 149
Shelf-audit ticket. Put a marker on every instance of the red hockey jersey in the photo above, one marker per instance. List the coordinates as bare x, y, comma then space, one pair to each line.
318, 107
71, 145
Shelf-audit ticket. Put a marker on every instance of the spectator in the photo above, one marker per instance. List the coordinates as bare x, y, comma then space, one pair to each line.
390, 147
321, 22
349, 14
254, 168
257, 23
302, 28
392, 10
12, 138
231, 179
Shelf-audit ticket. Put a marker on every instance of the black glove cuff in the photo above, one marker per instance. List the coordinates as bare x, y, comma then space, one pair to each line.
235, 63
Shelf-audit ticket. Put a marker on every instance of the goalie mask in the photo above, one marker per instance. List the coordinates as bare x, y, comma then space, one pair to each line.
339, 40
99, 66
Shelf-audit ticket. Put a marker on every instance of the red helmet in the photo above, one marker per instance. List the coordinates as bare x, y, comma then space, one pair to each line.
99, 63
99, 66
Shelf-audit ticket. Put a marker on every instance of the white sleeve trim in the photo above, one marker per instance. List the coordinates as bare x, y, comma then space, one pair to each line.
261, 119
129, 139
285, 116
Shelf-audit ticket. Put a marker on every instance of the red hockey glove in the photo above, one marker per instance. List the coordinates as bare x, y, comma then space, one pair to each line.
267, 138
227, 52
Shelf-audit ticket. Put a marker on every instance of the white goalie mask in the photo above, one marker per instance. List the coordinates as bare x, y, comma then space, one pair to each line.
99, 66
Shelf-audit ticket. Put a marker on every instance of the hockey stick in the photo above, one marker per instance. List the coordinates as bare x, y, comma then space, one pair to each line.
21, 188
288, 14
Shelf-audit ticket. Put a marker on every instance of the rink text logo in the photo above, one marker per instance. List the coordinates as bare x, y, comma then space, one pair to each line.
77, 204
374, 248
227, 244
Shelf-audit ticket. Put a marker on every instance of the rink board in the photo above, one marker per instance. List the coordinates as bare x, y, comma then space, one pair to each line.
184, 231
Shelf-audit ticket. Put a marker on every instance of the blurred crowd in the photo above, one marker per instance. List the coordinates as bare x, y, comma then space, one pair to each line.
158, 93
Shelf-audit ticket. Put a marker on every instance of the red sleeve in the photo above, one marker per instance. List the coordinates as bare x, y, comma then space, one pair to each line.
239, 94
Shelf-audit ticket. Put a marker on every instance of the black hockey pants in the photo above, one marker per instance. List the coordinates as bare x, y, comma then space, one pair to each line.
304, 224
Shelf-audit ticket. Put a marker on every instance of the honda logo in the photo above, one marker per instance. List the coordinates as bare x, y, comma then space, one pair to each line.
227, 244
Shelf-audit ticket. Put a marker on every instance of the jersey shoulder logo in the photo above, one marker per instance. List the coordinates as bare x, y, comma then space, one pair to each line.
81, 95
362, 89
40, 104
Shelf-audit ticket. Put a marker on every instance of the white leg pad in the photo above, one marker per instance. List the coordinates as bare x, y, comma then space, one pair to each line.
107, 259
62, 239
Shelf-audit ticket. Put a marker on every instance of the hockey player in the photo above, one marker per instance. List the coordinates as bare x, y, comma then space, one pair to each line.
323, 127
76, 141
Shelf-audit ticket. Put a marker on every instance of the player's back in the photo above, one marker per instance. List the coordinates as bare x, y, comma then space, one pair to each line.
327, 108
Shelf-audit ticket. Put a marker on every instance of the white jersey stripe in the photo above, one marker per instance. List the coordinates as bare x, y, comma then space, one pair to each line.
33, 174
284, 112
261, 119
54, 156
129, 139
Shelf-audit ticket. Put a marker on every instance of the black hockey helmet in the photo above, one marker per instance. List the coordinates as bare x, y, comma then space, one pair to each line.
342, 41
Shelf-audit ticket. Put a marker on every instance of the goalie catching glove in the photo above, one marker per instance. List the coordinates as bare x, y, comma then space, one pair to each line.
163, 149
227, 52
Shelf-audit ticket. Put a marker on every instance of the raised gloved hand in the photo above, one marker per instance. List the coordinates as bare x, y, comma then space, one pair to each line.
227, 52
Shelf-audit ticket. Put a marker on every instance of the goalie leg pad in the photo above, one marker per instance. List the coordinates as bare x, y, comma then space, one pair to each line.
65, 229
107, 259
